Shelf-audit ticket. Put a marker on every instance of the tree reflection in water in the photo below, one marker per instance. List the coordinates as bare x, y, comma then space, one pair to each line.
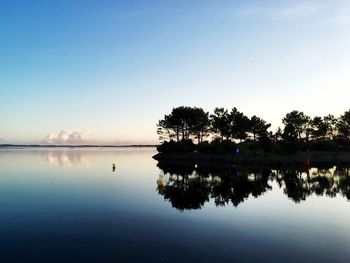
183, 188
188, 186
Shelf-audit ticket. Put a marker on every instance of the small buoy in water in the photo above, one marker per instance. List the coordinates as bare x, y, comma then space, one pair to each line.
113, 167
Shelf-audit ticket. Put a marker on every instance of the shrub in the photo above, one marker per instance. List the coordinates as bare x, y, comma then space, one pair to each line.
323, 146
184, 146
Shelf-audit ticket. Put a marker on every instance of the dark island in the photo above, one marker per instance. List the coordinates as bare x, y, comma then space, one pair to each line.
190, 134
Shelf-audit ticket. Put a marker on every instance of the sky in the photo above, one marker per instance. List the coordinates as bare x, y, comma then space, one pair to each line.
104, 72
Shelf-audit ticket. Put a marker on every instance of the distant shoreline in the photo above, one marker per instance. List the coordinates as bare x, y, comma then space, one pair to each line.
75, 146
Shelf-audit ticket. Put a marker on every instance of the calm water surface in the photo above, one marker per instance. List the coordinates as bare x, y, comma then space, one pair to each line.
67, 205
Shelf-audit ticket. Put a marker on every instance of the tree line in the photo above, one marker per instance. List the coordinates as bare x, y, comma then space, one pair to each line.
195, 124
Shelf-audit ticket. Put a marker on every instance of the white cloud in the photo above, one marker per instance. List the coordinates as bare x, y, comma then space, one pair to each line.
2, 140
67, 137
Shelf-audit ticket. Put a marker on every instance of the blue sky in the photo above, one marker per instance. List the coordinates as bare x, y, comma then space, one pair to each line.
106, 71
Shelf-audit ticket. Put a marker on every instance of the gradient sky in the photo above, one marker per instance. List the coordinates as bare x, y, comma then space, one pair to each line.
106, 71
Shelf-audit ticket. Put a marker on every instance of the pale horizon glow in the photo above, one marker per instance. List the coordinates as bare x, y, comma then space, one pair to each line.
102, 72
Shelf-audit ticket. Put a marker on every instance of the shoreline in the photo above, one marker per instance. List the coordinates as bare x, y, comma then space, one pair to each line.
298, 159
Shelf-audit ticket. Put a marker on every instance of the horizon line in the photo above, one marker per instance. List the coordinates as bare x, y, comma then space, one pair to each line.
8, 145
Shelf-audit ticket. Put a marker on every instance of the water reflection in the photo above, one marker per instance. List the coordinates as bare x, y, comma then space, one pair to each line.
66, 158
188, 186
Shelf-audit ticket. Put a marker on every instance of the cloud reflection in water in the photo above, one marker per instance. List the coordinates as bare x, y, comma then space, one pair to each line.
67, 158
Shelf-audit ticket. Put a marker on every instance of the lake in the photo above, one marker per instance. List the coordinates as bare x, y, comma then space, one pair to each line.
68, 205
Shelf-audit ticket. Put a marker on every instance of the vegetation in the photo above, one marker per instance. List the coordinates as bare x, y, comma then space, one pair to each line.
192, 129
184, 123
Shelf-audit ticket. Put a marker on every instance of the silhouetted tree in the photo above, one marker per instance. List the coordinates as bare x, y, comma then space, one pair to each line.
318, 128
199, 123
278, 134
169, 128
331, 123
220, 123
183, 122
258, 127
343, 126
239, 124
296, 124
